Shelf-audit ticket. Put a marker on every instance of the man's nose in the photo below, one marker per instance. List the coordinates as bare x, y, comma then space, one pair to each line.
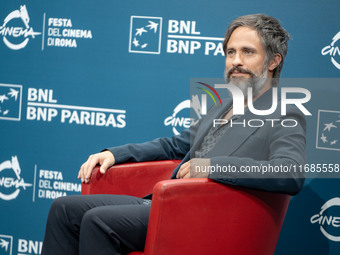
237, 60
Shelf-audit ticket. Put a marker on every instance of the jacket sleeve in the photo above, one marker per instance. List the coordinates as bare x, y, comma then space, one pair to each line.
159, 149
280, 172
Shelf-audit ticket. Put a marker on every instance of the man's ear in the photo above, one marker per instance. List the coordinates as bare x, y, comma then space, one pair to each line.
276, 60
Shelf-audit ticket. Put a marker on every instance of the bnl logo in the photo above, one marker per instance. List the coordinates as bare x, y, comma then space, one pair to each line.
10, 102
328, 130
145, 34
6, 243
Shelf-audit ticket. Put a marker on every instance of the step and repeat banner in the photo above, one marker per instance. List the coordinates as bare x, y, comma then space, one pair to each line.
80, 76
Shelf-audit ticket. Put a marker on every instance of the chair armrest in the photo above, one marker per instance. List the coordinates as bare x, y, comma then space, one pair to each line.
134, 179
200, 216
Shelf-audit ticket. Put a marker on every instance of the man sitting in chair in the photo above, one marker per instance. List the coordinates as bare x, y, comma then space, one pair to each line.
255, 47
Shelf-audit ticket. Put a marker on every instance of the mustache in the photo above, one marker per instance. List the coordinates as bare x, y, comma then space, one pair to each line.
240, 70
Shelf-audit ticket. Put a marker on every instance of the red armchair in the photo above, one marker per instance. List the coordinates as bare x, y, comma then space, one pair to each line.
196, 216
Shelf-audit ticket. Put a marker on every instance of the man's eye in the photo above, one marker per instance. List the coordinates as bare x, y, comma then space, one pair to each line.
230, 52
248, 52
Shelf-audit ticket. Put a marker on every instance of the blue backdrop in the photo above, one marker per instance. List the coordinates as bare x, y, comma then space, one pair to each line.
80, 76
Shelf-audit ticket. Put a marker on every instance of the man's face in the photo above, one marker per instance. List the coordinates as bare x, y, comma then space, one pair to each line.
245, 60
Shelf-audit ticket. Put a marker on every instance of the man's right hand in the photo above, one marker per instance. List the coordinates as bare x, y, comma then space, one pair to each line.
105, 159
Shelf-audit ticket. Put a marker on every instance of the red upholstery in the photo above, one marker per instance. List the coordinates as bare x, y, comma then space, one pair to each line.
197, 216
134, 179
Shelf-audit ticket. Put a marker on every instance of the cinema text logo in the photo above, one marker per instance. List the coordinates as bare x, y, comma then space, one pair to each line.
61, 33
333, 50
17, 37
12, 185
51, 185
325, 219
183, 37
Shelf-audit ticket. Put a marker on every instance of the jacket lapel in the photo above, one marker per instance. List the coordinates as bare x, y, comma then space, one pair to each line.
208, 122
236, 134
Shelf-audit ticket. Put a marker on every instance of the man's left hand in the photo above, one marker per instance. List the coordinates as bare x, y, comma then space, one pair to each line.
189, 169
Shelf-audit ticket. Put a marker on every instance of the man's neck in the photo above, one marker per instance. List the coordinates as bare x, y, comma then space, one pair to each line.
266, 87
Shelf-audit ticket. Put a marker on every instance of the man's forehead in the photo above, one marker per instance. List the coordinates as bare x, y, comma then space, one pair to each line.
244, 35
244, 30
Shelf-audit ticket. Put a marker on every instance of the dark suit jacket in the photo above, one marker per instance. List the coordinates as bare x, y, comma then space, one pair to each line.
269, 145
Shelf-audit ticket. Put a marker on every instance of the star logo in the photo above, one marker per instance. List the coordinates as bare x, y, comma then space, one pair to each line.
13, 93
145, 35
153, 26
135, 42
10, 102
3, 98
323, 138
140, 31
333, 142
328, 130
328, 126
6, 243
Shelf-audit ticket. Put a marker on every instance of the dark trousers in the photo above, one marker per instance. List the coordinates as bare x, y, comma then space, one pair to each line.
96, 224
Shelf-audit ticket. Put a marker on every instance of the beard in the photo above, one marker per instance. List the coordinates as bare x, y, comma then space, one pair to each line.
255, 81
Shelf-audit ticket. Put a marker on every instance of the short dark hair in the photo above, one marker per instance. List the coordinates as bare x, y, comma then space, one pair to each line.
273, 36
